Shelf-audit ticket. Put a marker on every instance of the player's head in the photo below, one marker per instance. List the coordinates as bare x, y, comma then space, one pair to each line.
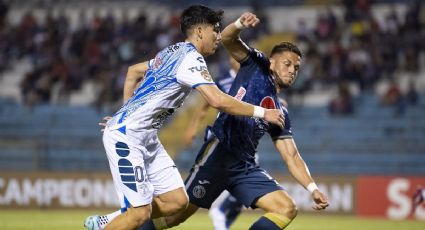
201, 25
285, 60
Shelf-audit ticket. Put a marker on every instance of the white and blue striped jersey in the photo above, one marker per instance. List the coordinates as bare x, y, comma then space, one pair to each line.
171, 75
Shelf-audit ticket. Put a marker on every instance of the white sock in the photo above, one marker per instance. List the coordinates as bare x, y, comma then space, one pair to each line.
105, 219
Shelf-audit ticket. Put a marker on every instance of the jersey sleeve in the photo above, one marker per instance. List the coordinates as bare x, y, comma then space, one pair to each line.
193, 71
281, 133
256, 57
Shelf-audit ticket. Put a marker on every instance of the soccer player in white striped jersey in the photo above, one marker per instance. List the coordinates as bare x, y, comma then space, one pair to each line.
145, 177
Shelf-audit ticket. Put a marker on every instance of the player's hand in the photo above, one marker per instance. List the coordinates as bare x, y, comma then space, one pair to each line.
249, 20
103, 124
320, 200
274, 116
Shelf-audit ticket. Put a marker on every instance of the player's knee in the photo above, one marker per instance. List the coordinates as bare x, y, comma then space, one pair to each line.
177, 205
289, 209
181, 203
138, 216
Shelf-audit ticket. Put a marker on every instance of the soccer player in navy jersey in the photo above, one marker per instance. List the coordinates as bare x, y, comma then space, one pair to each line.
226, 160
145, 177
227, 208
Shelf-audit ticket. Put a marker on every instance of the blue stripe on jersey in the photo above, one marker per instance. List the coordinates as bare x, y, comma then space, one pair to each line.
158, 77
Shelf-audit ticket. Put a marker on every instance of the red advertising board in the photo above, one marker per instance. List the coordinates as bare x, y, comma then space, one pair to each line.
389, 197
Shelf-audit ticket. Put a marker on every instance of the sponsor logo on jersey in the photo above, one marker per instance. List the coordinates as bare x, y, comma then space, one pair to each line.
198, 191
161, 118
194, 69
206, 75
241, 93
157, 63
200, 59
203, 71
268, 103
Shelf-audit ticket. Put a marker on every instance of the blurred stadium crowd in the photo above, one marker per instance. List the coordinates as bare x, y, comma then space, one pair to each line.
349, 48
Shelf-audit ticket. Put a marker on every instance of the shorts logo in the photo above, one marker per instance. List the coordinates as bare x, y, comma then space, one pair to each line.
144, 189
203, 182
198, 191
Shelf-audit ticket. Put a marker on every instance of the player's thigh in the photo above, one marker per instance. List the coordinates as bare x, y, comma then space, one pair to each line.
162, 172
128, 169
170, 195
277, 202
204, 185
249, 186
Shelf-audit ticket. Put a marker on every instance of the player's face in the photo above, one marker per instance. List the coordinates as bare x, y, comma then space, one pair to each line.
211, 38
284, 67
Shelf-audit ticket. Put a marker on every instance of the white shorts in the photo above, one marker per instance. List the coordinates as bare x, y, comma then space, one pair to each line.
139, 174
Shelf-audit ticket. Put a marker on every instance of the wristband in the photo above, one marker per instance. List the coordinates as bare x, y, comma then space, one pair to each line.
239, 24
259, 112
311, 187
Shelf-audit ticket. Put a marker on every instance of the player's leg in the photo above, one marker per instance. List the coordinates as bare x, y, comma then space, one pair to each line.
170, 221
169, 194
203, 186
126, 161
169, 190
131, 219
256, 189
97, 222
280, 211
225, 211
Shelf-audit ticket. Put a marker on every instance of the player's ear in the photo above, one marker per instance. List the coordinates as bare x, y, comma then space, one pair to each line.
272, 63
199, 30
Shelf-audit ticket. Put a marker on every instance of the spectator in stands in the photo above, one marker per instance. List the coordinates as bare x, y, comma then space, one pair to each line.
412, 96
342, 104
393, 97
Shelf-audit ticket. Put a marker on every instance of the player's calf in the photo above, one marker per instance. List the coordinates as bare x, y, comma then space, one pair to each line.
131, 219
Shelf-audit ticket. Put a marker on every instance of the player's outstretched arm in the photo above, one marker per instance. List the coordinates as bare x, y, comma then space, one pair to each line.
135, 74
231, 39
221, 101
299, 170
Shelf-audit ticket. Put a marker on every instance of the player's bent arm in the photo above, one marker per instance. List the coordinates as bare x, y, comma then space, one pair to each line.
233, 43
135, 74
230, 36
296, 165
221, 101
299, 170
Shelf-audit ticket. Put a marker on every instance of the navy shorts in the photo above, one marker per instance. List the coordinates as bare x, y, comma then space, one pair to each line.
205, 182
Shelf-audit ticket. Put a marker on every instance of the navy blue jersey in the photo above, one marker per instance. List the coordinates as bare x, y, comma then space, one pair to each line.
225, 80
253, 84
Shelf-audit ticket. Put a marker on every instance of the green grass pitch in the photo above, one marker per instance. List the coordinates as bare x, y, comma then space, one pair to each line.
73, 219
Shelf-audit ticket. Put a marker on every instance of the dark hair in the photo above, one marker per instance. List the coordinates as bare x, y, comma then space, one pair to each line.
199, 14
285, 46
